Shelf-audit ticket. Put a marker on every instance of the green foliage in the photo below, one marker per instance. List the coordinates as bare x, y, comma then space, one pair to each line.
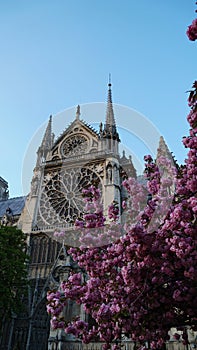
13, 270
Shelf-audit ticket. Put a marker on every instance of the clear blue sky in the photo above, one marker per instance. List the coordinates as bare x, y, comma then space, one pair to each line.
57, 54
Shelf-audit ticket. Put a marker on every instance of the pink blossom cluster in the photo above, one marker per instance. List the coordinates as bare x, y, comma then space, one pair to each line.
55, 305
192, 30
113, 211
59, 234
76, 328
92, 229
136, 199
93, 216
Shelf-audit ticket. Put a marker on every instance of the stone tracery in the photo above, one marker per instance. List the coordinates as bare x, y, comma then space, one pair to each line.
75, 144
61, 197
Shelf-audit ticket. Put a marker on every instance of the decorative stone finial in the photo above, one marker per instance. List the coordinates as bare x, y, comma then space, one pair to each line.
78, 112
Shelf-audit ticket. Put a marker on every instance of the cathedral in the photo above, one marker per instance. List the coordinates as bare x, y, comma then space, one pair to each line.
79, 157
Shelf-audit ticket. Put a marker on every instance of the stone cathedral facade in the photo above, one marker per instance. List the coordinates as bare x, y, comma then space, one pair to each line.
78, 158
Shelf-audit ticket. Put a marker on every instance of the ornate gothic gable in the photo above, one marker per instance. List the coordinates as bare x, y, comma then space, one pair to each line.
78, 139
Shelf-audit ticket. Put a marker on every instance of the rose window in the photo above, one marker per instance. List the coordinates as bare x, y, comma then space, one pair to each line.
61, 197
74, 145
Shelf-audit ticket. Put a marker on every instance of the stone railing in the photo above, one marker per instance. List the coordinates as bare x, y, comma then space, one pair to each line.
78, 157
52, 228
126, 345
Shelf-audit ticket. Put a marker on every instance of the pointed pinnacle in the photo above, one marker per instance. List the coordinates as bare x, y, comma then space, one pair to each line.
78, 112
47, 138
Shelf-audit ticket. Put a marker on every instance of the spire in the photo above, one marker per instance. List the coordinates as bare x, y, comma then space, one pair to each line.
110, 121
110, 130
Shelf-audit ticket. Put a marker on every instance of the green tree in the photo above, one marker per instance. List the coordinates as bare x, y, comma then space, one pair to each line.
13, 270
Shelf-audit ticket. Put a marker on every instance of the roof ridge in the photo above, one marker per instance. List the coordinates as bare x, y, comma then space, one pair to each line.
4, 200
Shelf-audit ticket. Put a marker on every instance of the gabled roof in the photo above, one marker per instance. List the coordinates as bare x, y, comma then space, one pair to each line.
15, 204
3, 182
71, 126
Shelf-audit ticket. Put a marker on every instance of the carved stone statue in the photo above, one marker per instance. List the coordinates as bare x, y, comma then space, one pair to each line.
35, 183
109, 173
7, 218
116, 174
101, 127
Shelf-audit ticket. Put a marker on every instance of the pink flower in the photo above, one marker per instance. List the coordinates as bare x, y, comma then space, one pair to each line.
113, 211
148, 158
176, 336
124, 204
192, 30
59, 234
75, 279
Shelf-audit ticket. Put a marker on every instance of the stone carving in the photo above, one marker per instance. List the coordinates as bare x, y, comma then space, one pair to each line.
34, 186
74, 145
7, 219
61, 197
35, 183
115, 174
109, 173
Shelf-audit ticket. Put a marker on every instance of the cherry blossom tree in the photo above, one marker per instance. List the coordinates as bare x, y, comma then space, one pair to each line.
141, 277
